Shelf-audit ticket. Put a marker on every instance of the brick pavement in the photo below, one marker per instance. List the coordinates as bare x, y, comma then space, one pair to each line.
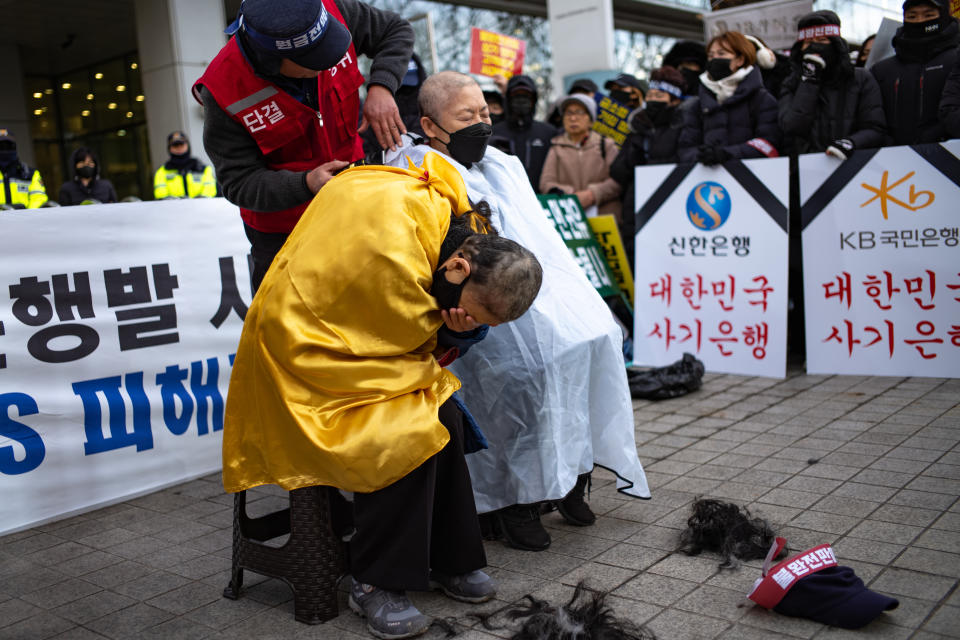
883, 490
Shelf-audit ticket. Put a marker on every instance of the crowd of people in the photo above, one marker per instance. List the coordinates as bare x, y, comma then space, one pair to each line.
181, 176
420, 337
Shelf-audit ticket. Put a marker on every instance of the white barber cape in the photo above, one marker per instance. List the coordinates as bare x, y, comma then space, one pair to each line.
549, 390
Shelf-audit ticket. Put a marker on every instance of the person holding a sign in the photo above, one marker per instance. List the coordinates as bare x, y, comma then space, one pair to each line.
912, 81
281, 106
337, 381
579, 160
827, 104
549, 390
735, 116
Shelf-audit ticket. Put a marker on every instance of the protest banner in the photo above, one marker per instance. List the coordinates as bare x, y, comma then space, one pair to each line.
605, 230
118, 326
881, 263
955, 8
774, 21
494, 54
611, 119
568, 219
711, 265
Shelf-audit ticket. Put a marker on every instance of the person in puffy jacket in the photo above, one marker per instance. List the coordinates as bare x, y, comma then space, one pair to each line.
525, 137
87, 187
654, 132
579, 159
950, 102
733, 116
827, 104
912, 81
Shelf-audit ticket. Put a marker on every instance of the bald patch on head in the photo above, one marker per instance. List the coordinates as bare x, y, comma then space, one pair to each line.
439, 88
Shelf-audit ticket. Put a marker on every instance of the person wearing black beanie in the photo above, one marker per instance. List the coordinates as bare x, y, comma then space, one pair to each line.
827, 104
690, 59
87, 187
912, 81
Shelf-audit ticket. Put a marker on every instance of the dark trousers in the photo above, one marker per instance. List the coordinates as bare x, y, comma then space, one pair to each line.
426, 520
264, 247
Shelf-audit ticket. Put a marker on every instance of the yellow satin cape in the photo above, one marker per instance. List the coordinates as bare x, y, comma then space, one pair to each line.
334, 381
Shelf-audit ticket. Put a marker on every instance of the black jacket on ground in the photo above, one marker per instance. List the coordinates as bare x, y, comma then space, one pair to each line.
528, 139
814, 114
74, 192
950, 101
241, 169
751, 112
912, 83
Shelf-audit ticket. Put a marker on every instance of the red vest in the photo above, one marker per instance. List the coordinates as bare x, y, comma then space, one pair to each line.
291, 135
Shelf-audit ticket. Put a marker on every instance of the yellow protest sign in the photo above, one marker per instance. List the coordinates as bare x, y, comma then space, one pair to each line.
608, 235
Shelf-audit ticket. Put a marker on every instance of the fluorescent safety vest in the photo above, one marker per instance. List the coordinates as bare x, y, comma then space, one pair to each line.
170, 183
291, 135
17, 189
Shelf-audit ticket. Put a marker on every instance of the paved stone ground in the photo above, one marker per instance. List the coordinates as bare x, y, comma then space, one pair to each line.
884, 491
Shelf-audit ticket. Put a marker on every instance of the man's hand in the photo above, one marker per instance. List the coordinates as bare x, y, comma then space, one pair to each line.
322, 174
380, 112
500, 81
458, 321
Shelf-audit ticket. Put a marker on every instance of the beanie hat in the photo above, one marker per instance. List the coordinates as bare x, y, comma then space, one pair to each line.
588, 103
817, 24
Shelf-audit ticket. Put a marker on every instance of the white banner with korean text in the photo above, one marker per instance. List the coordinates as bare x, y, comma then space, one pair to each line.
118, 325
881, 261
711, 265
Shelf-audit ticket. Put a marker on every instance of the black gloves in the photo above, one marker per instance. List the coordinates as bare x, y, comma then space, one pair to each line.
812, 67
711, 154
842, 148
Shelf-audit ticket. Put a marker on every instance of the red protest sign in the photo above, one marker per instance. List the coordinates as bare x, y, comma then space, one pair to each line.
494, 54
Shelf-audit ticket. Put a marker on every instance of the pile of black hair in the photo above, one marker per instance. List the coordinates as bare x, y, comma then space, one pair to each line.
727, 529
585, 617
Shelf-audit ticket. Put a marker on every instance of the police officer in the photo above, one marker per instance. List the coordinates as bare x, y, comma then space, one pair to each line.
182, 175
22, 185
282, 105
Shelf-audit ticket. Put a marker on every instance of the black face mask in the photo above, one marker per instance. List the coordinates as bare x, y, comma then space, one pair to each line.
496, 118
86, 172
446, 293
521, 106
656, 109
692, 76
7, 157
468, 145
719, 68
620, 96
825, 51
922, 29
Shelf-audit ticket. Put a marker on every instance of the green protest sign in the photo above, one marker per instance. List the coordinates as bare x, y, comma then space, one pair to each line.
568, 219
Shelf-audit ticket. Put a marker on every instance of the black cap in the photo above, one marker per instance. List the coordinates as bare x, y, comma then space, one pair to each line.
521, 83
585, 85
177, 136
302, 31
818, 18
626, 80
941, 5
837, 597
686, 51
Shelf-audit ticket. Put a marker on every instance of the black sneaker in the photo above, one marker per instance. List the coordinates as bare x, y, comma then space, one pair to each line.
574, 508
521, 527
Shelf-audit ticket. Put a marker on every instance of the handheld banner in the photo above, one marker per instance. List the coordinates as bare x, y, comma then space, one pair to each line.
711, 265
494, 54
118, 325
881, 263
611, 119
568, 219
608, 236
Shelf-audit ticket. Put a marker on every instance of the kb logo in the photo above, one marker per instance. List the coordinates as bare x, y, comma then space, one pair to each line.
708, 206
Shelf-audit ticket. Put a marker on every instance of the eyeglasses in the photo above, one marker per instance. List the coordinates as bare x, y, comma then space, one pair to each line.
575, 114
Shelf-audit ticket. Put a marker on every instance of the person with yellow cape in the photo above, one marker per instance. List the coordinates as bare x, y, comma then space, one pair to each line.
336, 381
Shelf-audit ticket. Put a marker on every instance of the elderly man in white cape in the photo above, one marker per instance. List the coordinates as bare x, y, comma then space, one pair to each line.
549, 390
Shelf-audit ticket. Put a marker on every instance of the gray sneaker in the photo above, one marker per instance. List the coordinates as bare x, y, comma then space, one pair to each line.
390, 614
474, 587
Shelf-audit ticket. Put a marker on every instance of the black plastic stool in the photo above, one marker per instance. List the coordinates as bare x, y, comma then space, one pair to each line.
310, 562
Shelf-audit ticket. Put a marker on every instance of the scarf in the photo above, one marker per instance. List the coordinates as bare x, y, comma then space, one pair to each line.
726, 87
